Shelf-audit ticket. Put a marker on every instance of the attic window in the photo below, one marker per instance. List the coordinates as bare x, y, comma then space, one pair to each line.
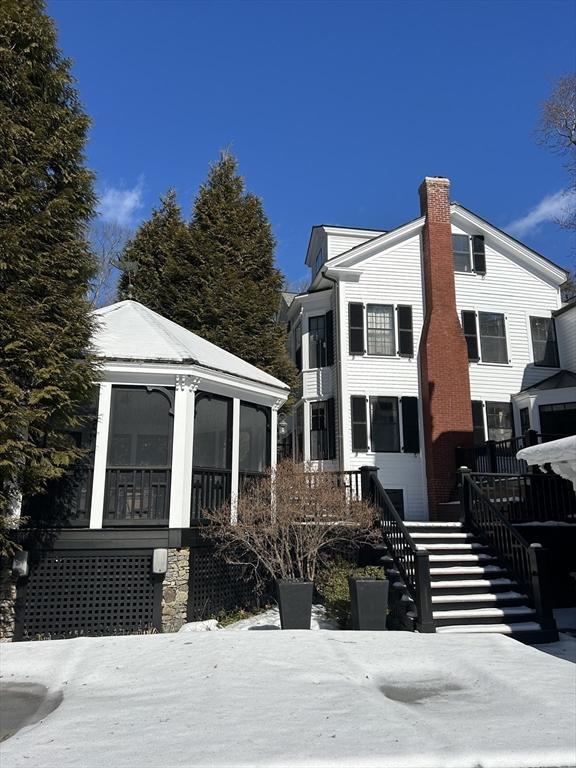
469, 254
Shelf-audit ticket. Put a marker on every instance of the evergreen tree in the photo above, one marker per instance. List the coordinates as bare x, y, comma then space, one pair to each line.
144, 260
46, 201
237, 296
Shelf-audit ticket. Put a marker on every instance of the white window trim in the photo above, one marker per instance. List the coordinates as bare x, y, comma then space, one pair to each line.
549, 316
367, 398
484, 310
396, 355
471, 272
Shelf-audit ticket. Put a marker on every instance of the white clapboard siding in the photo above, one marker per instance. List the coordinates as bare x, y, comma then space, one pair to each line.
341, 242
516, 292
566, 332
390, 277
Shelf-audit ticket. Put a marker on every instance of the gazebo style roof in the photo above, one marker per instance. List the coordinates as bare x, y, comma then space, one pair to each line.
130, 331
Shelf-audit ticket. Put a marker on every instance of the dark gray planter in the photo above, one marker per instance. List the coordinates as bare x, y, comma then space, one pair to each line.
368, 603
295, 601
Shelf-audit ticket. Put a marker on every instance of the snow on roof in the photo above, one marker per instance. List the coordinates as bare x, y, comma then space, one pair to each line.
130, 331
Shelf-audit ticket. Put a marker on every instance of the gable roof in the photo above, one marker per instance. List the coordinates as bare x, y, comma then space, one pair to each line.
130, 331
459, 215
561, 380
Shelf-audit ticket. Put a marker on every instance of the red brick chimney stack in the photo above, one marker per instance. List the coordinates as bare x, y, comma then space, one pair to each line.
443, 354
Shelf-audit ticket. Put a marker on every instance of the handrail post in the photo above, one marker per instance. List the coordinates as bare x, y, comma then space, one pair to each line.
538, 570
463, 492
532, 437
367, 475
424, 620
491, 451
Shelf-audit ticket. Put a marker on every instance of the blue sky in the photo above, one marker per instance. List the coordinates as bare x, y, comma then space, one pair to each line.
335, 110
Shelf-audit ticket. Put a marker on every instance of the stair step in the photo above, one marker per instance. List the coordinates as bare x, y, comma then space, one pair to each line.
463, 547
460, 572
417, 535
423, 524
489, 597
463, 559
471, 601
515, 613
502, 629
472, 586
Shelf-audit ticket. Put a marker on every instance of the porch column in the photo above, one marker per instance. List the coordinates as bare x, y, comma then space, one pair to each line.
100, 456
182, 449
235, 459
306, 427
274, 434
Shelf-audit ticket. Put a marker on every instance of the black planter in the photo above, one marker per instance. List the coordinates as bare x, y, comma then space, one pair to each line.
295, 601
368, 603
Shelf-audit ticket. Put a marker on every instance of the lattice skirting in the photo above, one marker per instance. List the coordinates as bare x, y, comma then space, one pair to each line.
68, 594
215, 586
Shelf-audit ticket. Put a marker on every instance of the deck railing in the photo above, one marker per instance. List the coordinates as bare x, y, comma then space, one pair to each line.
526, 562
530, 498
412, 563
499, 456
137, 496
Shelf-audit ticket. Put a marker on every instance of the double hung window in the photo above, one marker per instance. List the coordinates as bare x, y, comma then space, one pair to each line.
544, 343
380, 329
488, 328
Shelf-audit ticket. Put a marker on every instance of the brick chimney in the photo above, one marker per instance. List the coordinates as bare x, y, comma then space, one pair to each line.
443, 355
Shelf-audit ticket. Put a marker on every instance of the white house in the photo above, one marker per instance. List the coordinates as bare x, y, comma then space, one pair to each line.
179, 425
412, 341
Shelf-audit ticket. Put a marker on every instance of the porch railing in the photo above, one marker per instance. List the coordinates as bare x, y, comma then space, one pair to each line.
529, 498
349, 480
137, 496
527, 563
211, 487
412, 563
499, 456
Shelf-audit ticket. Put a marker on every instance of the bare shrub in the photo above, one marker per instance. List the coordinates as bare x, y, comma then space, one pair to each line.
288, 525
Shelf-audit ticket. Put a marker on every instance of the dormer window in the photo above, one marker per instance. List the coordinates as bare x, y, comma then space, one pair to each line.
469, 254
318, 261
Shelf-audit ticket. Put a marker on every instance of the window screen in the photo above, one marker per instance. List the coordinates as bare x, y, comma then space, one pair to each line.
141, 422
254, 444
212, 432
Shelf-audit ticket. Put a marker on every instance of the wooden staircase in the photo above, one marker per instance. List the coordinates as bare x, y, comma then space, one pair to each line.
471, 590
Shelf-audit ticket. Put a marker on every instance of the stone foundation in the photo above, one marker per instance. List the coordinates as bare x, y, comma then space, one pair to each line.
175, 590
7, 602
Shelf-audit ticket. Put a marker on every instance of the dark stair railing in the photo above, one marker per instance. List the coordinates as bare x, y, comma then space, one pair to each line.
412, 564
527, 563
530, 498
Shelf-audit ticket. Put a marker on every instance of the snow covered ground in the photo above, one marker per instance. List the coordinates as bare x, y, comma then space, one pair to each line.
353, 699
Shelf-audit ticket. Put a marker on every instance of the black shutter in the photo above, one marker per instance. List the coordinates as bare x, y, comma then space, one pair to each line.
359, 424
331, 453
410, 431
479, 254
405, 335
329, 324
356, 328
469, 327
478, 421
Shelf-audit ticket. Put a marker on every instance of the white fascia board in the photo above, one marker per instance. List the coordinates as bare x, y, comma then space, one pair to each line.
509, 245
343, 274
118, 372
372, 247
